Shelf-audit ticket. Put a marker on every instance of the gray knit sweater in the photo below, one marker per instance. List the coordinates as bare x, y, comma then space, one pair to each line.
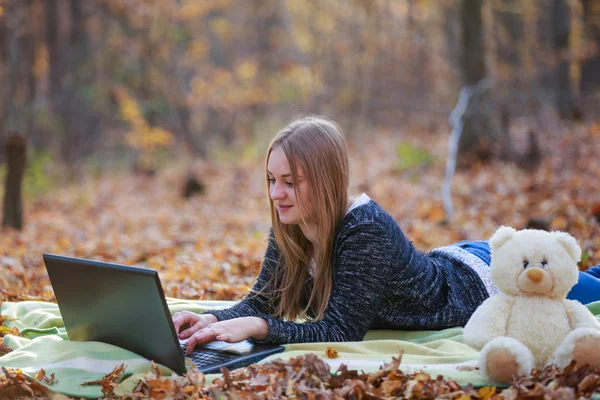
380, 281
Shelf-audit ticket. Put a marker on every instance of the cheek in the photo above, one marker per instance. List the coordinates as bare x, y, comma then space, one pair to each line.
304, 195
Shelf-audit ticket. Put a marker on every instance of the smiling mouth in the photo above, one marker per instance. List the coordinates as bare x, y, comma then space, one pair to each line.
283, 208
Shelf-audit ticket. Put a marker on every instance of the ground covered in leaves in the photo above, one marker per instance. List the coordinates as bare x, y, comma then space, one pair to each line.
309, 377
210, 246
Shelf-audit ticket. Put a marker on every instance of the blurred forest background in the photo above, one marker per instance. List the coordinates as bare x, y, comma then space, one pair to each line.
85, 79
113, 113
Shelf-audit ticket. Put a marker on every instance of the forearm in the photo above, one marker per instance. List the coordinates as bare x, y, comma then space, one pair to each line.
281, 332
245, 308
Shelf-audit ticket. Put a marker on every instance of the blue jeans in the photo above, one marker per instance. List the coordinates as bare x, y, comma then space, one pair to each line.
587, 289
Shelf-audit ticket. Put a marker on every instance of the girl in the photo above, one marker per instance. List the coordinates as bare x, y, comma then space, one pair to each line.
344, 265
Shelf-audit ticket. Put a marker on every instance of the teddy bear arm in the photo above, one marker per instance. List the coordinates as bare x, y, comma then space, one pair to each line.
580, 316
488, 321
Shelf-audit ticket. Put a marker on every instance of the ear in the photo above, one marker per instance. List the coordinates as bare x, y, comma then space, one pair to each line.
501, 236
570, 244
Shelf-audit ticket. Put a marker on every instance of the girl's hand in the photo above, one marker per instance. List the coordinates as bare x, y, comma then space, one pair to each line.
231, 331
195, 322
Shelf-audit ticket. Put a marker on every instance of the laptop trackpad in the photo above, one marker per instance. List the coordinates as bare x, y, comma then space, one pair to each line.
243, 347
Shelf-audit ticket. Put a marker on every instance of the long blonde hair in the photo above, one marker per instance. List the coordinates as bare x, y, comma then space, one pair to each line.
317, 145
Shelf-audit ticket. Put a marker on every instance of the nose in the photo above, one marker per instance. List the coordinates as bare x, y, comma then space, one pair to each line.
277, 192
535, 274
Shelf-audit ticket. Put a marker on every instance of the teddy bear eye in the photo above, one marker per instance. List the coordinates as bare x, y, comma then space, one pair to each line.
544, 263
525, 263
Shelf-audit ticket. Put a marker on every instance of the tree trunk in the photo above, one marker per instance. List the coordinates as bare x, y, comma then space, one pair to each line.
196, 144
72, 104
56, 63
219, 122
509, 37
561, 28
54, 54
29, 80
16, 154
18, 90
590, 70
478, 132
4, 36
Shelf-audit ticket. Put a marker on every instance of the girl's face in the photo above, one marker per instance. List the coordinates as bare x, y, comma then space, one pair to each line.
281, 190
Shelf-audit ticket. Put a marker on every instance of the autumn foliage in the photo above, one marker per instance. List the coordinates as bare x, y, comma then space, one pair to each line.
309, 377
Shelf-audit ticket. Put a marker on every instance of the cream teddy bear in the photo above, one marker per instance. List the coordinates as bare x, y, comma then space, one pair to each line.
532, 324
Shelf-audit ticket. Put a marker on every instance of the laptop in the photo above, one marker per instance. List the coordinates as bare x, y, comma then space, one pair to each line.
125, 306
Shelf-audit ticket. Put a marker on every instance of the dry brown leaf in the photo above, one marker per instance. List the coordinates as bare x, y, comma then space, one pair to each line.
559, 223
486, 392
41, 376
109, 382
331, 352
160, 388
15, 385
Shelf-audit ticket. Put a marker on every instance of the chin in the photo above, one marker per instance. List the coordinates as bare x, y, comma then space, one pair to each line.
288, 221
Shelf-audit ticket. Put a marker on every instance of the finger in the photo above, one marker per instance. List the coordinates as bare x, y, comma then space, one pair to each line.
225, 337
202, 337
180, 318
189, 345
177, 322
191, 330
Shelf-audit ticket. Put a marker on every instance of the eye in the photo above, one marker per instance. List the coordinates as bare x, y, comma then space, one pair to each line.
289, 184
525, 263
271, 180
544, 263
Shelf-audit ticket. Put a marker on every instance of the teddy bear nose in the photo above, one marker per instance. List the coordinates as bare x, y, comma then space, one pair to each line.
535, 274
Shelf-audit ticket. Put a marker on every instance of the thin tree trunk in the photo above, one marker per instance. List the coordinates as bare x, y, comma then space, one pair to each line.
4, 32
561, 28
590, 70
219, 122
16, 154
509, 36
473, 56
478, 131
54, 54
12, 104
72, 109
29, 80
197, 146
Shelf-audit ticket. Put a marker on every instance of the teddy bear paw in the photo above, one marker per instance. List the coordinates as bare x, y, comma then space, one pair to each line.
587, 351
501, 365
581, 345
504, 357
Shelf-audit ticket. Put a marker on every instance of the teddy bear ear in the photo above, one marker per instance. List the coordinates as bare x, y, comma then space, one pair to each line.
501, 236
570, 244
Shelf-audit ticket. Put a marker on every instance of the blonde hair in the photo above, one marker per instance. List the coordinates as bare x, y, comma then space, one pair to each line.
317, 145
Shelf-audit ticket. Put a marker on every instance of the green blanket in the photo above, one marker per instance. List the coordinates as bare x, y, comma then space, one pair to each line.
46, 345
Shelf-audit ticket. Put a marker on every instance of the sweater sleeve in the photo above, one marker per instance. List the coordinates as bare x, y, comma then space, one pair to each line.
362, 264
254, 304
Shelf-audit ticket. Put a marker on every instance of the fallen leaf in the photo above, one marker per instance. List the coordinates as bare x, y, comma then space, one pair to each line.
331, 352
109, 381
486, 392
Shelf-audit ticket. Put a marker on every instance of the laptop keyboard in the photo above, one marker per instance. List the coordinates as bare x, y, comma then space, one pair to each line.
205, 358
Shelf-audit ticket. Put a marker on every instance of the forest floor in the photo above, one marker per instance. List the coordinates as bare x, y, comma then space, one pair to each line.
210, 246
